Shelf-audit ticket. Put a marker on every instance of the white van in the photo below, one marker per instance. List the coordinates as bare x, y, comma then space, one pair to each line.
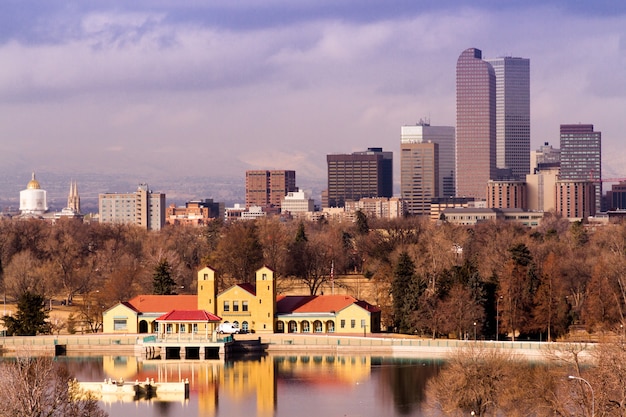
228, 328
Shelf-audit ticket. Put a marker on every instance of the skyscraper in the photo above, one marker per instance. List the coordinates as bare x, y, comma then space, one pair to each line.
419, 176
444, 137
512, 114
475, 124
360, 174
267, 188
581, 157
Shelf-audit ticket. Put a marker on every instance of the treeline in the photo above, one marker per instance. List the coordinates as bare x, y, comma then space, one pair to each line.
493, 280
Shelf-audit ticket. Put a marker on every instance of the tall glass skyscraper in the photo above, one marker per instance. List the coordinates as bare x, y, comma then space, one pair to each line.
512, 115
475, 124
581, 156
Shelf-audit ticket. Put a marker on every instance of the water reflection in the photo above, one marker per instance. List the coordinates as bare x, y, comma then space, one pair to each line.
268, 386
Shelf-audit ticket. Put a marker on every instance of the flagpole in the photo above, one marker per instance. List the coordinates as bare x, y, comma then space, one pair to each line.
332, 277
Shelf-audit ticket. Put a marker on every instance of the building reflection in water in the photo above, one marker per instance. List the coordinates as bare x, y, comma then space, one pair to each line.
250, 385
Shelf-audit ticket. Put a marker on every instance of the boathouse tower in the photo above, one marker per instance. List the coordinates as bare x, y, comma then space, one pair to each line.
264, 312
207, 290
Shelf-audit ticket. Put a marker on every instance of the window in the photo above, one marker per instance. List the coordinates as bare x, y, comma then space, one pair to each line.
317, 326
226, 306
235, 305
194, 328
168, 327
352, 323
362, 323
244, 306
305, 327
120, 325
244, 326
182, 328
343, 324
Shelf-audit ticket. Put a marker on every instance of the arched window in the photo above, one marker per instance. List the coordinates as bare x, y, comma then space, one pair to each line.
293, 326
244, 326
317, 325
305, 327
330, 326
280, 327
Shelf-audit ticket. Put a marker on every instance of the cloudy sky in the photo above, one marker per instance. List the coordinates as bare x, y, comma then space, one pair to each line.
220, 86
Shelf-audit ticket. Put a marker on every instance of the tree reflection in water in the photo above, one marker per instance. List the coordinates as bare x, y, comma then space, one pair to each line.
405, 380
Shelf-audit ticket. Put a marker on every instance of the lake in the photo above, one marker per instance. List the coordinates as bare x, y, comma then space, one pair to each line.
304, 385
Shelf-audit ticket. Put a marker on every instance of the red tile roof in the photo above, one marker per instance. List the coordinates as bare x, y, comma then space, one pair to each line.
248, 287
288, 303
319, 304
189, 316
162, 303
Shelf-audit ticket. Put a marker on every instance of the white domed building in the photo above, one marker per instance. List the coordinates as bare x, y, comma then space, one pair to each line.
33, 199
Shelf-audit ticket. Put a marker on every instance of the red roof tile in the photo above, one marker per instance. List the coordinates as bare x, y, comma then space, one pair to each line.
319, 304
288, 303
163, 303
189, 315
248, 287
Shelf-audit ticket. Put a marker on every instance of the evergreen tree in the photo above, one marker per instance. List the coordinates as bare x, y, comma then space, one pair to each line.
362, 226
406, 289
301, 234
297, 252
162, 281
30, 318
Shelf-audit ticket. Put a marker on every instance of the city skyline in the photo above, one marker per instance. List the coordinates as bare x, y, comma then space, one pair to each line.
160, 90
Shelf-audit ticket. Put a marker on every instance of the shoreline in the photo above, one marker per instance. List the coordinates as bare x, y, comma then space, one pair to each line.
132, 344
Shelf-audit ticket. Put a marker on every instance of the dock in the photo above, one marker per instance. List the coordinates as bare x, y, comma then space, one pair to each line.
153, 348
113, 391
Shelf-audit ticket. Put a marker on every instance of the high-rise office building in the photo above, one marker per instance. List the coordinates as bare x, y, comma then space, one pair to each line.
512, 114
442, 136
475, 124
359, 174
268, 188
419, 176
143, 208
581, 157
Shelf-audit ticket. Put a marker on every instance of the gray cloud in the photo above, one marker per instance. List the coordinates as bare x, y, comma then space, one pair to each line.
227, 88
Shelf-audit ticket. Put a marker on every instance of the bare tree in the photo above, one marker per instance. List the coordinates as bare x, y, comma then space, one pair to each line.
37, 386
474, 381
23, 275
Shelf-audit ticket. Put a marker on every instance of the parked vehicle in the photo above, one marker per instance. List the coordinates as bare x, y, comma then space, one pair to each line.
228, 328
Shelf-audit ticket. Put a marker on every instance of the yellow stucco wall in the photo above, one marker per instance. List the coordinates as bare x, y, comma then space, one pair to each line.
355, 320
239, 296
120, 312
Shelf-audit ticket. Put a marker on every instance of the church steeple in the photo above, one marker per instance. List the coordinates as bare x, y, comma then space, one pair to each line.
73, 199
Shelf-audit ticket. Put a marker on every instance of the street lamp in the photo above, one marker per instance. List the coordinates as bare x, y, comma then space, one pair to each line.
474, 331
593, 412
498, 318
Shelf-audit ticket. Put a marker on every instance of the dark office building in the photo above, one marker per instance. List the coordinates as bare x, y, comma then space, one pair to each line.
358, 175
617, 196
